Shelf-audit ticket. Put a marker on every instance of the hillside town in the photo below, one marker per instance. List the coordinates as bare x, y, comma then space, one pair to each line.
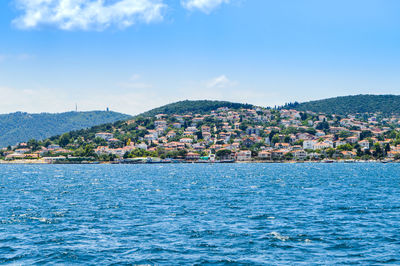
223, 135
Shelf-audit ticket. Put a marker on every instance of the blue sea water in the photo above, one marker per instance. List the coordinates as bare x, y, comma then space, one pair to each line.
250, 214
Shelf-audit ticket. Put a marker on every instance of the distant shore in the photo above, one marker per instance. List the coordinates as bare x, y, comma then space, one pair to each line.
195, 162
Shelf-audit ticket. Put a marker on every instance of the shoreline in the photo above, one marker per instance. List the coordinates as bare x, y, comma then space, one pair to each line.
34, 162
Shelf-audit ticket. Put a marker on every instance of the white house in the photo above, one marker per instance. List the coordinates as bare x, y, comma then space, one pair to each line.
308, 144
364, 144
186, 140
142, 146
104, 135
243, 155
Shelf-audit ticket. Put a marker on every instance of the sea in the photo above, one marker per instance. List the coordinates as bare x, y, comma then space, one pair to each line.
200, 214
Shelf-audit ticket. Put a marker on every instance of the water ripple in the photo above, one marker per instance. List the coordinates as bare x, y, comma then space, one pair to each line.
239, 214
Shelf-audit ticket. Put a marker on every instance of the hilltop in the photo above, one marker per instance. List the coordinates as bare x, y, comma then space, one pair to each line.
20, 127
344, 105
197, 107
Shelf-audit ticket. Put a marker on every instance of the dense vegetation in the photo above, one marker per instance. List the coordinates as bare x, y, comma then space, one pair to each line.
19, 127
385, 104
197, 107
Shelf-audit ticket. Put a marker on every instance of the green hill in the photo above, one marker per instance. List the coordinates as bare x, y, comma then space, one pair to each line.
385, 104
199, 107
20, 127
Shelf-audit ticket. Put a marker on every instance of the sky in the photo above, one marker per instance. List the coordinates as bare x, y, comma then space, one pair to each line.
134, 55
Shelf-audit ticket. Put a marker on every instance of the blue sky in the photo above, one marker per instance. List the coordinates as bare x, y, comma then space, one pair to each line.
133, 55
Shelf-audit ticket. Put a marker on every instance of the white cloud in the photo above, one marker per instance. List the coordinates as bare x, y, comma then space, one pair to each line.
205, 6
40, 100
16, 57
32, 100
135, 82
87, 14
220, 82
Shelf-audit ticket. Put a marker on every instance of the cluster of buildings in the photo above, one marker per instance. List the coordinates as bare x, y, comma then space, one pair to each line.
225, 134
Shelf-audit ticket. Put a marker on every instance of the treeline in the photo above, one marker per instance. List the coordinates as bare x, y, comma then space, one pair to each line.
19, 127
344, 105
198, 107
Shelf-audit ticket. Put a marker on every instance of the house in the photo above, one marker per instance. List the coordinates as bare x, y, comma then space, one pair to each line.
142, 146
304, 136
308, 144
349, 154
248, 142
191, 129
159, 116
188, 133
265, 155
278, 154
300, 154
205, 129
393, 154
171, 134
280, 145
104, 135
150, 137
15, 156
53, 147
192, 156
22, 151
186, 140
364, 144
54, 159
340, 143
252, 131
322, 145
160, 123
206, 136
176, 125
102, 150
352, 140
243, 155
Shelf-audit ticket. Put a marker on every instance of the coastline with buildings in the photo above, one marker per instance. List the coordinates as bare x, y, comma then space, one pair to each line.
224, 135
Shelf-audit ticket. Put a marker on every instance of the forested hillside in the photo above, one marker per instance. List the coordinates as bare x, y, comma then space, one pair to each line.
19, 127
385, 104
198, 107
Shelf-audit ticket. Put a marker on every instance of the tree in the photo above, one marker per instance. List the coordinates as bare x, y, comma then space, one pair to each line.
345, 147
330, 152
323, 125
288, 156
64, 139
275, 139
223, 153
33, 144
387, 148
378, 152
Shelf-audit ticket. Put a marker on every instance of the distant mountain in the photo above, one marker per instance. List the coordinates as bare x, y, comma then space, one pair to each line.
385, 104
198, 107
20, 127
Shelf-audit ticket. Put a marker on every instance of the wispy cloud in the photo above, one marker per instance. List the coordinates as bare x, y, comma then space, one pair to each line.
205, 6
19, 57
135, 82
220, 82
87, 14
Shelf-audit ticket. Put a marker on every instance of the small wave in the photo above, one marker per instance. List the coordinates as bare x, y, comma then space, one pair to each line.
261, 217
41, 219
278, 236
